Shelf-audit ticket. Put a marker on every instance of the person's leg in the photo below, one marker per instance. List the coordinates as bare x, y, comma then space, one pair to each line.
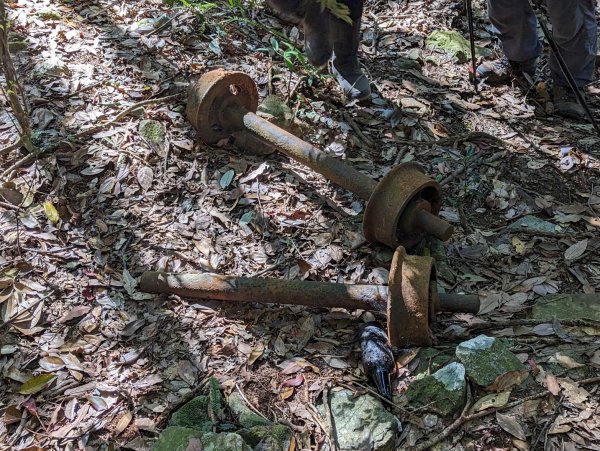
516, 24
574, 29
316, 25
346, 40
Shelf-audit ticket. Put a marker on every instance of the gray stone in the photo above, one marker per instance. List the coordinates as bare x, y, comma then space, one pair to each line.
533, 223
490, 363
193, 414
175, 438
361, 422
443, 392
567, 307
53, 66
225, 441
242, 412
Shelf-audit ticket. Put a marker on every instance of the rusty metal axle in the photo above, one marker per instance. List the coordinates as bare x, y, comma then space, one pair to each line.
401, 208
411, 300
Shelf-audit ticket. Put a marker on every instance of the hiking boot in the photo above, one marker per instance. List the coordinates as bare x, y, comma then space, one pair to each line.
346, 67
502, 70
566, 103
315, 22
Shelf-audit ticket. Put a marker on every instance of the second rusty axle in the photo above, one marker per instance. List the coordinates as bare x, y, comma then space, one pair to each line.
411, 300
401, 208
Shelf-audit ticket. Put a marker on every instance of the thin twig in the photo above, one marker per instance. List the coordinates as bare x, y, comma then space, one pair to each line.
249, 404
364, 138
122, 114
9, 173
11, 147
463, 419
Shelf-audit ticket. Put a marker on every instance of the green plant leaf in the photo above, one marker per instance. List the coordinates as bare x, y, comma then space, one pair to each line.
227, 178
37, 383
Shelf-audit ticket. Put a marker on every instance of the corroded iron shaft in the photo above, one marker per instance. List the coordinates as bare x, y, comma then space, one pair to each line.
297, 149
296, 292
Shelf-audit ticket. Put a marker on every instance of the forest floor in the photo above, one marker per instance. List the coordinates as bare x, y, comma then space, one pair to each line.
98, 210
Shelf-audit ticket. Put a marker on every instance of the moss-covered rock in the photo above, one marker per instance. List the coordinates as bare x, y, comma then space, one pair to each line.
153, 131
193, 414
453, 43
225, 441
490, 363
431, 360
275, 107
216, 399
568, 363
49, 14
176, 438
443, 392
567, 307
242, 412
267, 438
361, 422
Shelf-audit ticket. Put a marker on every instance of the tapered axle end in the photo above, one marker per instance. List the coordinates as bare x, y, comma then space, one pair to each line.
403, 207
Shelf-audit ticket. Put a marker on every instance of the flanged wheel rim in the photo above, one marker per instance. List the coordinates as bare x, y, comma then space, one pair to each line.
211, 95
391, 197
410, 307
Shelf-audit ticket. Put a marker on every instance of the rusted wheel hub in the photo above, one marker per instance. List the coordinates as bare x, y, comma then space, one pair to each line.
412, 299
391, 216
209, 98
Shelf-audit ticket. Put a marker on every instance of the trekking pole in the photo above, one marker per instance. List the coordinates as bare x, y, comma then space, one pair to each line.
564, 68
469, 8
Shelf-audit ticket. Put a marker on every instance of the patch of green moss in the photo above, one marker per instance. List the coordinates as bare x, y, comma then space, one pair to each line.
152, 131
49, 14
216, 398
193, 414
567, 307
275, 434
175, 438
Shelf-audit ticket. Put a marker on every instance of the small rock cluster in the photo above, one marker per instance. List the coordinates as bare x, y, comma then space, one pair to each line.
485, 360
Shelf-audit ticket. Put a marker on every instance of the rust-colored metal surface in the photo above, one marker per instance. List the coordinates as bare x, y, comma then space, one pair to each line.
331, 168
410, 301
211, 95
401, 209
410, 308
269, 291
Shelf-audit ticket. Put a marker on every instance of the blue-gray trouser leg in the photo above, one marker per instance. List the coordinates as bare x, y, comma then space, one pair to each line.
575, 30
516, 22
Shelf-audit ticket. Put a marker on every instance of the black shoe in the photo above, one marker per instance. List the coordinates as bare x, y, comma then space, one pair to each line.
566, 103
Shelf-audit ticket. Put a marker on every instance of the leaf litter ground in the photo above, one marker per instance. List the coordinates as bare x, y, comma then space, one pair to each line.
87, 358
